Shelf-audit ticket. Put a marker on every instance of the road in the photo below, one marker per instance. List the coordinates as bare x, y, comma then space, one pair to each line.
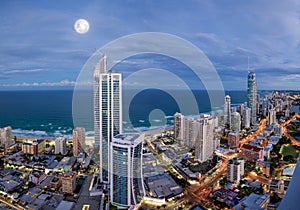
14, 206
260, 129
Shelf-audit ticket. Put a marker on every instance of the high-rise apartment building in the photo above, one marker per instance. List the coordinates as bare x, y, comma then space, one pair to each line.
204, 140
252, 96
227, 111
107, 113
126, 181
78, 140
6, 136
246, 117
235, 122
272, 117
235, 169
61, 145
178, 126
68, 182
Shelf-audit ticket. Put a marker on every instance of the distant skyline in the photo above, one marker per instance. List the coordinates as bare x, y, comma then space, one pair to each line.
40, 48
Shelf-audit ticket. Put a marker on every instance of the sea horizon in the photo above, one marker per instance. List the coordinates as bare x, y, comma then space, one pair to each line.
48, 113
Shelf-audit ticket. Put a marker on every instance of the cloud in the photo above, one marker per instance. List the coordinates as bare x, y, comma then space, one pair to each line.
290, 77
22, 71
62, 83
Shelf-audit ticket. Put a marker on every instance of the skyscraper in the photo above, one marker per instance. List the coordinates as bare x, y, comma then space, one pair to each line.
107, 112
178, 126
246, 117
227, 110
78, 140
272, 117
235, 122
126, 181
6, 137
252, 96
204, 145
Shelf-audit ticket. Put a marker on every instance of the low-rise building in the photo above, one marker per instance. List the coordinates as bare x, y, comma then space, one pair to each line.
252, 153
279, 186
254, 201
34, 148
233, 139
55, 182
274, 140
225, 196
36, 177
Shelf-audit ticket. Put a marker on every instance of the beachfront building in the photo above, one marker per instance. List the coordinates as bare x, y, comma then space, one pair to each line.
227, 111
61, 145
126, 181
78, 140
5, 137
107, 113
178, 126
252, 96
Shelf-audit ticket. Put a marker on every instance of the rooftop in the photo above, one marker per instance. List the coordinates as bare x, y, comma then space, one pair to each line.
252, 148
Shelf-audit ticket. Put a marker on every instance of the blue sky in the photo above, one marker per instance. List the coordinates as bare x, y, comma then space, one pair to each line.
39, 47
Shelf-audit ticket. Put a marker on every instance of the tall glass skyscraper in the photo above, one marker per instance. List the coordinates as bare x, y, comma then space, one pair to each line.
227, 110
252, 96
126, 180
107, 113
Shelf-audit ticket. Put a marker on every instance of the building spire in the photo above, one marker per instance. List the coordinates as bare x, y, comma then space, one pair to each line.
248, 64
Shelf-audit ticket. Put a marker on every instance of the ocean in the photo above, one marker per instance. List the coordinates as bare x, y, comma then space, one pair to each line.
48, 113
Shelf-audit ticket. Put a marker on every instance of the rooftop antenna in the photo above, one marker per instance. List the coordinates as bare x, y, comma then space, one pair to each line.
248, 63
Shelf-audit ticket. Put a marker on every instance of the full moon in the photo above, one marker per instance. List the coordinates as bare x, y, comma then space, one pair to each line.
81, 26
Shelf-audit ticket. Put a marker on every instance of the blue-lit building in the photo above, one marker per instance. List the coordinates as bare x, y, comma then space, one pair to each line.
107, 113
252, 96
126, 180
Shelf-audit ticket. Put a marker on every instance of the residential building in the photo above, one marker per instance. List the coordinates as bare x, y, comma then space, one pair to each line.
235, 122
246, 117
34, 147
252, 153
61, 145
68, 182
5, 137
254, 201
272, 117
56, 182
126, 180
36, 177
204, 144
179, 126
235, 169
78, 140
107, 113
233, 139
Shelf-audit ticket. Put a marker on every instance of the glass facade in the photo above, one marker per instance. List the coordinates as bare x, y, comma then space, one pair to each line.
126, 178
107, 113
252, 96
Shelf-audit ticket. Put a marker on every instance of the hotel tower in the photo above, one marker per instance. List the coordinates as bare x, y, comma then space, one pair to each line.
107, 113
